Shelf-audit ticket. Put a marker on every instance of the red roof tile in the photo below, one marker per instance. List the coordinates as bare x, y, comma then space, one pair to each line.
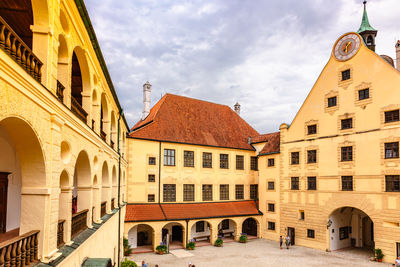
272, 145
186, 120
190, 210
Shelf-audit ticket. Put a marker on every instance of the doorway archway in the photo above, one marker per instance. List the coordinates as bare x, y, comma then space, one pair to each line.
173, 233
249, 227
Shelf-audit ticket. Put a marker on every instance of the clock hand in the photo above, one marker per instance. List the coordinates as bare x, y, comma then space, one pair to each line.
347, 45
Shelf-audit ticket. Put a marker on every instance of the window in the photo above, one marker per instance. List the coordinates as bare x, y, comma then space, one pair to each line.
223, 161
312, 129
239, 162
207, 192
310, 233
239, 191
169, 192
271, 185
169, 157
224, 192
345, 75
207, 160
312, 183
254, 163
225, 224
391, 150
151, 198
347, 183
347, 124
391, 116
254, 191
343, 233
200, 227
295, 183
347, 153
392, 183
295, 158
301, 215
271, 162
188, 158
151, 178
188, 192
363, 94
271, 207
271, 226
311, 156
152, 161
332, 101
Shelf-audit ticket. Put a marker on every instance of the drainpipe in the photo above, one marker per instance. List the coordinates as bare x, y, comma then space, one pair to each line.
119, 190
159, 174
187, 232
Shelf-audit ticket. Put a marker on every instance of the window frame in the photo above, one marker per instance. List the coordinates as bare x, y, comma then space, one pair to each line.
392, 115
347, 182
254, 190
295, 183
311, 183
346, 75
271, 207
310, 233
393, 149
223, 161
169, 157
151, 180
150, 161
239, 191
346, 153
254, 163
269, 183
207, 192
332, 101
311, 129
188, 158
169, 196
394, 182
346, 124
363, 94
295, 160
207, 160
271, 162
224, 195
311, 156
271, 226
188, 192
239, 162
151, 199
200, 226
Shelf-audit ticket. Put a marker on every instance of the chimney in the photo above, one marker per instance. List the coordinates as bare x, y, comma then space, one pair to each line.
398, 55
237, 108
146, 99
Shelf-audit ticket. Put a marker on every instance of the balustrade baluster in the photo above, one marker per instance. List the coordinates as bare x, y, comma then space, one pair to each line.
8, 42
13, 254
2, 36
2, 256
19, 52
28, 62
8, 256
18, 258
13, 48
28, 251
23, 253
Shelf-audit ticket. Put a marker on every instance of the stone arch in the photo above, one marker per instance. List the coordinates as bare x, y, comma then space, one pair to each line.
176, 232
104, 117
141, 235
201, 231
251, 227
96, 199
105, 189
114, 189
64, 207
62, 69
40, 10
228, 228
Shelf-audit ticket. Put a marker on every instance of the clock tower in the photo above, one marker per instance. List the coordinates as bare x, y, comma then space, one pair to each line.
366, 31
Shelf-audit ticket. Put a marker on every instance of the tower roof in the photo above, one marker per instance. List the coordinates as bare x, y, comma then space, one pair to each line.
365, 26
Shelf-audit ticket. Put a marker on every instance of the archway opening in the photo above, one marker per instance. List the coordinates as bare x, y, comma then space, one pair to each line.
201, 233
249, 227
141, 238
64, 209
351, 228
227, 230
114, 189
105, 190
62, 68
173, 235
103, 117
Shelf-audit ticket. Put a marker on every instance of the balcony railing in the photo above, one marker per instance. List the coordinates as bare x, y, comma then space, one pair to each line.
20, 251
77, 109
103, 208
112, 144
112, 203
19, 51
93, 125
60, 91
103, 135
79, 224
60, 233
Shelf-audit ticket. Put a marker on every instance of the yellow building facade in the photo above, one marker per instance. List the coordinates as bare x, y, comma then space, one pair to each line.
62, 138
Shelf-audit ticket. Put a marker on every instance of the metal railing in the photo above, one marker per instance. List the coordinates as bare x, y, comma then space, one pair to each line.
103, 208
20, 251
60, 91
77, 109
60, 233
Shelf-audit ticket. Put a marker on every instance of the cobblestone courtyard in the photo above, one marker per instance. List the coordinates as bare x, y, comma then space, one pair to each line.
257, 253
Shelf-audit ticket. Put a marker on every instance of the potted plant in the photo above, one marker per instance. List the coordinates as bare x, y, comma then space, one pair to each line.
161, 249
218, 242
243, 238
378, 254
191, 245
128, 263
127, 247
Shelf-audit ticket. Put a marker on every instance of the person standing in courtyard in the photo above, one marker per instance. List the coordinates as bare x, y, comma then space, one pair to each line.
287, 241
397, 262
280, 242
144, 264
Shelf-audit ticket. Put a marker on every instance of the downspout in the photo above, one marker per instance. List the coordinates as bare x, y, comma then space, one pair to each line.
159, 174
119, 191
187, 232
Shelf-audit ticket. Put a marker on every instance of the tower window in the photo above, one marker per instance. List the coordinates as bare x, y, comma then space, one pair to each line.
295, 158
312, 129
347, 124
363, 94
345, 75
332, 101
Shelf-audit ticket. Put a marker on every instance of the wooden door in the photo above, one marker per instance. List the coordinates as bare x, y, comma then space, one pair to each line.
3, 200
291, 235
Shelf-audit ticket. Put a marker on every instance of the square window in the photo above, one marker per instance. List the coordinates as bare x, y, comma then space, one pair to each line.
151, 178
345, 75
310, 233
311, 156
332, 101
254, 163
169, 157
312, 129
271, 226
391, 150
169, 192
152, 161
295, 158
188, 192
188, 158
224, 192
347, 183
295, 183
271, 207
363, 94
151, 198
392, 183
391, 116
200, 227
239, 162
239, 191
347, 153
271, 185
312, 183
271, 162
223, 161
343, 233
207, 192
207, 160
347, 124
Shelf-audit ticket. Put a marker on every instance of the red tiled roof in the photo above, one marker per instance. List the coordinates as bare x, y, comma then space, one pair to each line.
136, 212
186, 120
273, 143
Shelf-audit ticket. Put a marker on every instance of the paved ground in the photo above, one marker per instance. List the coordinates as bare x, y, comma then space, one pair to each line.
258, 253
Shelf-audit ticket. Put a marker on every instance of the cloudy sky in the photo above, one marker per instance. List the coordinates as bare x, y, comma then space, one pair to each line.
265, 54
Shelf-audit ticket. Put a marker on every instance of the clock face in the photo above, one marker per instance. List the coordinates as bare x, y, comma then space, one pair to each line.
347, 46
